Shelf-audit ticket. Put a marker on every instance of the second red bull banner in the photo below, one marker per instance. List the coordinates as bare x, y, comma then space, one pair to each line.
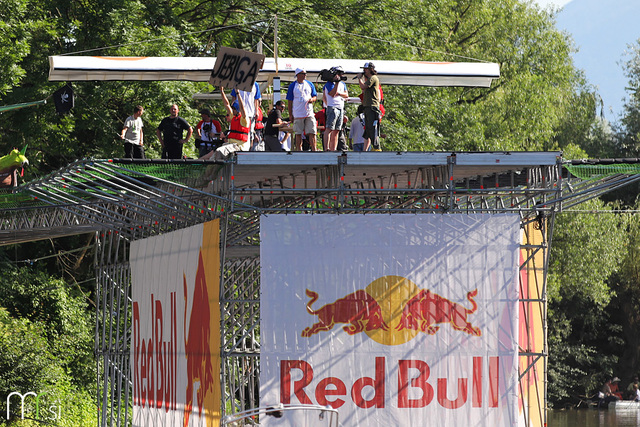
175, 337
392, 319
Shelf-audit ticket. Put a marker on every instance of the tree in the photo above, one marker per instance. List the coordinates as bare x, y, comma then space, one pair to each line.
537, 77
584, 340
46, 346
628, 143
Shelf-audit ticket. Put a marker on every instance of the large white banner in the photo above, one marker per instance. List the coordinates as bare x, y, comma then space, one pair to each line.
394, 320
175, 339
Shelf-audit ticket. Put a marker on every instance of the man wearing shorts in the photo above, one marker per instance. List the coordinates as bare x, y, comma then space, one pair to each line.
335, 93
300, 96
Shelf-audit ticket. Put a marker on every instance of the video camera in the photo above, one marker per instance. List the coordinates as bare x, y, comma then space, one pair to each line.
330, 74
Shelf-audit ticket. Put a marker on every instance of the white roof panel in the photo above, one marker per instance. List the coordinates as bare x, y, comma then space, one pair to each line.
410, 73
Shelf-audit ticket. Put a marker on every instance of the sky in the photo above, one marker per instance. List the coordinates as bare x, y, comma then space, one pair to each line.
559, 3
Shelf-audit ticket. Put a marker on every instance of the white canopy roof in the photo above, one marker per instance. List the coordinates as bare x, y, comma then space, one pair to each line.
410, 73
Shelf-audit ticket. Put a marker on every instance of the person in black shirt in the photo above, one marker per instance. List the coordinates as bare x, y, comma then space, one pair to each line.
271, 141
170, 132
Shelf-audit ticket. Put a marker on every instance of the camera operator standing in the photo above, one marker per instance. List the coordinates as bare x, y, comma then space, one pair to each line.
208, 131
335, 92
370, 85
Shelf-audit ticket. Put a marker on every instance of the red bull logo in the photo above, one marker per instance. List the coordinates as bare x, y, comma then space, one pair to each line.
392, 311
197, 344
426, 309
358, 310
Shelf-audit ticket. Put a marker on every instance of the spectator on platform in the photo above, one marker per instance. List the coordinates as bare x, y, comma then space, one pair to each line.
238, 135
208, 131
370, 85
342, 135
321, 121
300, 96
132, 135
272, 128
334, 94
252, 100
356, 133
170, 134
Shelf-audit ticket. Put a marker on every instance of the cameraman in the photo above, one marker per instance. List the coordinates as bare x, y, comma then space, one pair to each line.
208, 131
334, 93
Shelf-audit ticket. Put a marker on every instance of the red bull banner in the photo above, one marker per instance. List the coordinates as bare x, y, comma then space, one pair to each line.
396, 320
175, 338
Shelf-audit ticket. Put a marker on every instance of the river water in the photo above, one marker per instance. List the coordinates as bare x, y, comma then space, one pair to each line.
593, 418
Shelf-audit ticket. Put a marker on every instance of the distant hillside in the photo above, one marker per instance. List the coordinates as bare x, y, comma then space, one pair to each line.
602, 30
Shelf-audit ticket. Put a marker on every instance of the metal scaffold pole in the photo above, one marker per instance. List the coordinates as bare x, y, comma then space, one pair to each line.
124, 201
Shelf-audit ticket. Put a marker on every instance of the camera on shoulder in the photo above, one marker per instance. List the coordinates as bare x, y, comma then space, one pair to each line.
330, 74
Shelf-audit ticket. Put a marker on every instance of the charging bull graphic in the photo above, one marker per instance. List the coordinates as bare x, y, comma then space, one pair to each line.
197, 344
359, 310
426, 309
422, 312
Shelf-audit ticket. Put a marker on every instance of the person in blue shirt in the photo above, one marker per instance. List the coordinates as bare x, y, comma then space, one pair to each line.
300, 98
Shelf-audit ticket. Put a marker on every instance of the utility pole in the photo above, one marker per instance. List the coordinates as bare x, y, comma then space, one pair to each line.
276, 79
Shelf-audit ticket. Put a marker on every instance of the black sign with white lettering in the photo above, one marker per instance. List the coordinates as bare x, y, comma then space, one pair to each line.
236, 68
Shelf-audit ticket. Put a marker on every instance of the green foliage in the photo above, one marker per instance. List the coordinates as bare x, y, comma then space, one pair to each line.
539, 102
628, 141
585, 339
46, 346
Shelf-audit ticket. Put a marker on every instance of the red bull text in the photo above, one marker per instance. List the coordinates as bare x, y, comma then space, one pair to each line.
413, 380
155, 358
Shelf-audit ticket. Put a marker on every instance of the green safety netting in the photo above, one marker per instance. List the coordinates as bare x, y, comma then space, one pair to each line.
22, 105
83, 179
596, 171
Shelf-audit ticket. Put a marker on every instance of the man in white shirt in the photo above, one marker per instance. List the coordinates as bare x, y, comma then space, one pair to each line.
356, 132
132, 134
300, 98
334, 94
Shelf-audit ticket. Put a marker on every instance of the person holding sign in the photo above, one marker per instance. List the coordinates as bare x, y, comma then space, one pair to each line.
252, 100
170, 132
238, 136
300, 96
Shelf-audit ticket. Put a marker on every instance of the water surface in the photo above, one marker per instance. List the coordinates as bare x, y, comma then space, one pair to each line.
593, 418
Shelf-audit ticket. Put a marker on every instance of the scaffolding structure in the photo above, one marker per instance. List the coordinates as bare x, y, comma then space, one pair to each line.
125, 200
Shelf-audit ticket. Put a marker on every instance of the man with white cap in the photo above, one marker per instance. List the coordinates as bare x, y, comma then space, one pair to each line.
300, 98
370, 85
